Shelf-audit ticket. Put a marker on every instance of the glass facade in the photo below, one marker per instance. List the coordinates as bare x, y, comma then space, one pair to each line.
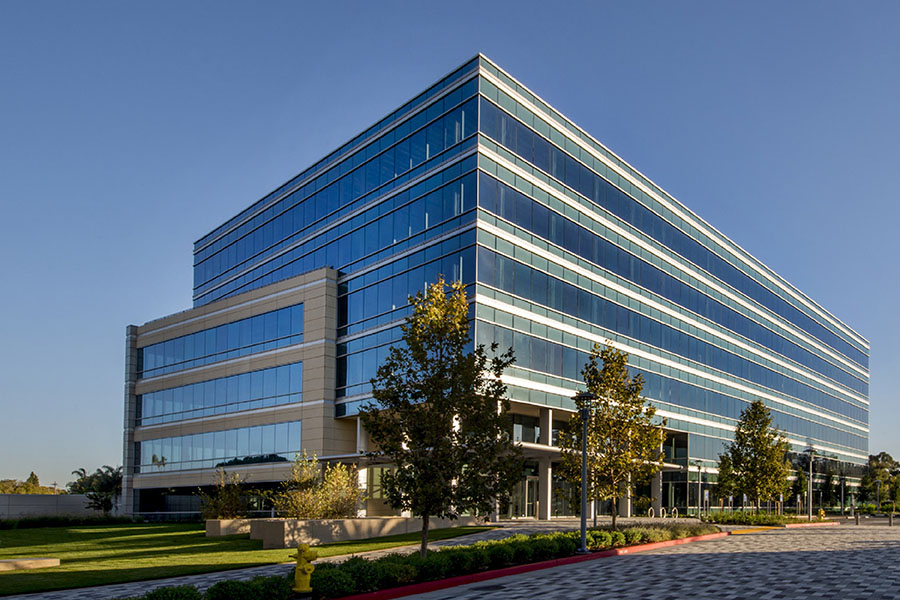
276, 442
267, 331
246, 391
560, 245
575, 247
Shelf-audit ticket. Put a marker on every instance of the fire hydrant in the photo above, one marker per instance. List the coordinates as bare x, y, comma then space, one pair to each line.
821, 514
304, 569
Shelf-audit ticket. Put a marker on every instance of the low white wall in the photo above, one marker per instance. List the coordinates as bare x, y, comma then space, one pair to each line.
17, 506
287, 533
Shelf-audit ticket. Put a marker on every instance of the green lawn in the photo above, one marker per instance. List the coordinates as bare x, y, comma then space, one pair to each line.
103, 554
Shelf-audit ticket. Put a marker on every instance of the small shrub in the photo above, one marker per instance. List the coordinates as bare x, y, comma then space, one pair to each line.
565, 545
499, 555
543, 547
521, 548
633, 536
365, 573
656, 534
435, 566
600, 540
274, 587
460, 560
174, 592
331, 582
618, 538
478, 557
233, 589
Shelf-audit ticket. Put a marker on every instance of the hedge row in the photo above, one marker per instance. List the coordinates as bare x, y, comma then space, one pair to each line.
62, 521
749, 518
258, 588
357, 575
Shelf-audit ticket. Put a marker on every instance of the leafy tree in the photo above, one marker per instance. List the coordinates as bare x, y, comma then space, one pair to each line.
438, 414
758, 455
880, 468
31, 485
227, 500
801, 482
101, 487
727, 485
297, 498
310, 494
624, 446
830, 494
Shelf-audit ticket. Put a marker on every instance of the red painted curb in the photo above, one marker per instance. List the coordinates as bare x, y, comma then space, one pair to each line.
440, 584
812, 524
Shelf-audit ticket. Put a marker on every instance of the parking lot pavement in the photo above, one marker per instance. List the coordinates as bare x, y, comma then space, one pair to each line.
841, 562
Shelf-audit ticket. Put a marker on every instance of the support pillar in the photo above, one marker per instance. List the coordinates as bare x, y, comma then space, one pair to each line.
546, 424
656, 493
545, 484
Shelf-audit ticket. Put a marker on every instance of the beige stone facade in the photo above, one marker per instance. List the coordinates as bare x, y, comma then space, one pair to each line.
322, 434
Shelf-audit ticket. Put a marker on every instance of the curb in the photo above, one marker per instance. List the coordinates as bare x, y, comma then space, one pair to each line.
812, 524
440, 584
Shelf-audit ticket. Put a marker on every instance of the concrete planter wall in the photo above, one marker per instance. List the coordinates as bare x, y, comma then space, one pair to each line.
220, 527
287, 533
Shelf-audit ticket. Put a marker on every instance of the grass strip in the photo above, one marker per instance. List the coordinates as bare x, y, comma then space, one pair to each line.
107, 554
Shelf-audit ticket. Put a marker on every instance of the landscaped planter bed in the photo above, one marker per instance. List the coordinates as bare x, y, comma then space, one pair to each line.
440, 584
394, 576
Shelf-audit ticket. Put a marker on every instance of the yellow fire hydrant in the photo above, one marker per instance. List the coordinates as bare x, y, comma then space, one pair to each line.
821, 514
304, 569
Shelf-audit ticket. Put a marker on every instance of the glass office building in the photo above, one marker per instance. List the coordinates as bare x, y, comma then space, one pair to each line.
560, 243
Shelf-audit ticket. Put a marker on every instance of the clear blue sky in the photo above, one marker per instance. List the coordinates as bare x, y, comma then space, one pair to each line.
128, 130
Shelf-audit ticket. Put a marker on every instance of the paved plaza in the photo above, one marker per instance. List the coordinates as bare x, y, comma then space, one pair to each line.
822, 563
842, 562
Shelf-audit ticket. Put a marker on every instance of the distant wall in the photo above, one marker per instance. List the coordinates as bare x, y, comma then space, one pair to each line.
16, 506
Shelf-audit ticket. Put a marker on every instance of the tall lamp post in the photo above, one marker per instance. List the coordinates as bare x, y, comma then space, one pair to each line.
585, 399
699, 465
812, 453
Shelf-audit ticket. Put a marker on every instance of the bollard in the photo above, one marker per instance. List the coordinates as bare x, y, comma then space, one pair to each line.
856, 516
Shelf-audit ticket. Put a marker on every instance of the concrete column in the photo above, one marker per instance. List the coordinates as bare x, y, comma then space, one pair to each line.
546, 422
545, 484
656, 493
126, 502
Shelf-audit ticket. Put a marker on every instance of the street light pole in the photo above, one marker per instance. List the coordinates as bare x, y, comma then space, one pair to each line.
585, 399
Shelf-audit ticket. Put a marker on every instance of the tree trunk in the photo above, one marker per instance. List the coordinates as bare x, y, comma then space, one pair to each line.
594, 506
424, 549
615, 512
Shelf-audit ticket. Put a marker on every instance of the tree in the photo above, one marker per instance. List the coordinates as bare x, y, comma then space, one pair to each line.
624, 445
101, 487
310, 494
829, 493
801, 481
438, 414
758, 455
227, 500
880, 468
